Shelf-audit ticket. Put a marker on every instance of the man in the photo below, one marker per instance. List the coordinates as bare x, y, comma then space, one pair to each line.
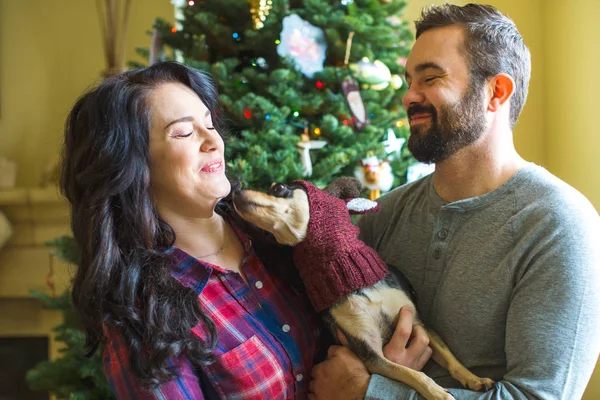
504, 256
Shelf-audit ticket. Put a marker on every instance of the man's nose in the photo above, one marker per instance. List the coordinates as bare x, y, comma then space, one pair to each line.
412, 96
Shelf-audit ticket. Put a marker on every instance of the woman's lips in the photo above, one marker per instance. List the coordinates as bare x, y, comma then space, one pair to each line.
213, 166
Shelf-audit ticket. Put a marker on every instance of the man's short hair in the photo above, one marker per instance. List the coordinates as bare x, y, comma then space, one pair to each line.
493, 45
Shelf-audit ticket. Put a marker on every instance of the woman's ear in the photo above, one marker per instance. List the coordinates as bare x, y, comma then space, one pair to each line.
501, 88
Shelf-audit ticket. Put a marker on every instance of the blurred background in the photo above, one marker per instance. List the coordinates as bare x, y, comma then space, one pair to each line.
51, 51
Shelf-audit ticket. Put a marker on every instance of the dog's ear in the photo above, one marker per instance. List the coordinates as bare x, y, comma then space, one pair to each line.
344, 188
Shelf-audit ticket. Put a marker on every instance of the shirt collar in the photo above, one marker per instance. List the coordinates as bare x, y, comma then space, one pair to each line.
194, 273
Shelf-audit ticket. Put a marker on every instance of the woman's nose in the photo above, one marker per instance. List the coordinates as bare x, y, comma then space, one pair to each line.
210, 142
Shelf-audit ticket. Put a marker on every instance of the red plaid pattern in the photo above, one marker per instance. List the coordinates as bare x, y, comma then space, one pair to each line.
268, 336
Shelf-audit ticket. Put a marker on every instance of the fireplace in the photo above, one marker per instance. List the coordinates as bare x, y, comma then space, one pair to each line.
17, 356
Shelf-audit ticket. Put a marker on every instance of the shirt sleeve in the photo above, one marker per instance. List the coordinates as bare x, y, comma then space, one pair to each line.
552, 343
125, 385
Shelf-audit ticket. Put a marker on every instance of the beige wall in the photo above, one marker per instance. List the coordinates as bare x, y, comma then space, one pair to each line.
50, 52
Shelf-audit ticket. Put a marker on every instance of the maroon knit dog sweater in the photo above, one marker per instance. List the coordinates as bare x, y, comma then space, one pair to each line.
332, 261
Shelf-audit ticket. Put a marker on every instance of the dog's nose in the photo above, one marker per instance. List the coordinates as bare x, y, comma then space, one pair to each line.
280, 190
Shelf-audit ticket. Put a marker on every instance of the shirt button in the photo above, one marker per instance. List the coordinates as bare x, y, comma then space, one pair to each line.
286, 328
442, 234
437, 254
299, 377
258, 284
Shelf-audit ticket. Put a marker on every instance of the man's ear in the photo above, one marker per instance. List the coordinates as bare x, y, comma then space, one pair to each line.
500, 88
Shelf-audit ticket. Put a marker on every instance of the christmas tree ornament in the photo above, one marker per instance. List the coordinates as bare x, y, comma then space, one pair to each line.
374, 174
393, 144
394, 20
261, 62
418, 170
304, 44
396, 82
352, 93
357, 107
374, 75
259, 10
305, 145
155, 48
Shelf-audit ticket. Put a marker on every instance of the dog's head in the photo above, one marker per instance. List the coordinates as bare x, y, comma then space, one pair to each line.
283, 211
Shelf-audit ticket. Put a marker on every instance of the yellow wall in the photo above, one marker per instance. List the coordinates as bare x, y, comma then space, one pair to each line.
50, 51
572, 56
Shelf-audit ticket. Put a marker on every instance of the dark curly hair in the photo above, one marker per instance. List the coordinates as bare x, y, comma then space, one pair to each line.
124, 278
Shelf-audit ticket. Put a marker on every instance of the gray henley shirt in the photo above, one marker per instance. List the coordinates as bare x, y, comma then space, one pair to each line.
510, 280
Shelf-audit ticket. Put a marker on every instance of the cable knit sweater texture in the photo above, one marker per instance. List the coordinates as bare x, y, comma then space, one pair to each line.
332, 261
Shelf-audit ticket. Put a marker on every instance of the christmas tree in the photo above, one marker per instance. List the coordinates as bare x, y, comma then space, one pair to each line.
286, 71
309, 89
73, 375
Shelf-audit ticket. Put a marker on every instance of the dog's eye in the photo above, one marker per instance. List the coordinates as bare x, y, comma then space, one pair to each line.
280, 190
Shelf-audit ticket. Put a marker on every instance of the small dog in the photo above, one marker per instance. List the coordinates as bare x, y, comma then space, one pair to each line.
367, 316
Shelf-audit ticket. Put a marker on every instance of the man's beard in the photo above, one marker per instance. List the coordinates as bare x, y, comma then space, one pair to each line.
459, 125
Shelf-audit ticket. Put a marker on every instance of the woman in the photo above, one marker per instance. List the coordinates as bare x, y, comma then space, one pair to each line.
169, 282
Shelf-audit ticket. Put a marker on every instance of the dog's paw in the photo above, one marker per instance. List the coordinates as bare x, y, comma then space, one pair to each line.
447, 396
480, 384
438, 394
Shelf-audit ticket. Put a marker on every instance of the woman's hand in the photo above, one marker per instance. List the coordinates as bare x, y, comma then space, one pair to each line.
409, 345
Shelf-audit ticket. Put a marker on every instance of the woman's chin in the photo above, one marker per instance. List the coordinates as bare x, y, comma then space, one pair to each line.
223, 189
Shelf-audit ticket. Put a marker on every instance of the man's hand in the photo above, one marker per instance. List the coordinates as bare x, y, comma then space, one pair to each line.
342, 376
409, 345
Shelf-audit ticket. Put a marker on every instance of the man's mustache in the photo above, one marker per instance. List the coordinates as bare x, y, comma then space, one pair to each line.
420, 109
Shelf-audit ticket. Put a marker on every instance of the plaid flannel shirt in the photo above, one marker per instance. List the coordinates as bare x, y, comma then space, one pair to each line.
268, 337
